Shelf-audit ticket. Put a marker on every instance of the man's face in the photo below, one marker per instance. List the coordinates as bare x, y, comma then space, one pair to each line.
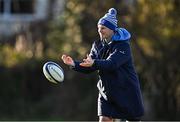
104, 32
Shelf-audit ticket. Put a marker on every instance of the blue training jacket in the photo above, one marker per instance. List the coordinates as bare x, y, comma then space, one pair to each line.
118, 81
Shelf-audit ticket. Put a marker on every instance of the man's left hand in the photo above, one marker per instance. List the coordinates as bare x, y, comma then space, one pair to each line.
88, 62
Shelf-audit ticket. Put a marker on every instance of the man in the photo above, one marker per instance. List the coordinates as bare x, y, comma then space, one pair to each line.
119, 89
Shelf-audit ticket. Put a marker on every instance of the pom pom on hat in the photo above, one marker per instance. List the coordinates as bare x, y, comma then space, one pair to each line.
109, 19
112, 11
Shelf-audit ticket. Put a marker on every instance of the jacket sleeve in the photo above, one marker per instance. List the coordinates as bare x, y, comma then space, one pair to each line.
120, 55
78, 68
81, 69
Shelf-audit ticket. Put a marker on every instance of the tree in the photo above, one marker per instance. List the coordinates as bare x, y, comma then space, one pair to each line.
156, 28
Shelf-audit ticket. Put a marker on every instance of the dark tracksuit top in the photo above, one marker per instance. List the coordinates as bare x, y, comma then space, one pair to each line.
118, 82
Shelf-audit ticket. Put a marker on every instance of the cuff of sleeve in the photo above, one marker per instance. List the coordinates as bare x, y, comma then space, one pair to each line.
95, 63
76, 65
71, 67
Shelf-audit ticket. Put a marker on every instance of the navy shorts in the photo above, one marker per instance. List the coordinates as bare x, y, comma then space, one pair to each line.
106, 108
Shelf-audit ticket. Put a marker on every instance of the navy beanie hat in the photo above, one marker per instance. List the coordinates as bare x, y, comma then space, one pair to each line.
109, 19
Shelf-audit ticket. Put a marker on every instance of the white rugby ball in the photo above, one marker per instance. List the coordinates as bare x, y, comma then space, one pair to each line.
53, 72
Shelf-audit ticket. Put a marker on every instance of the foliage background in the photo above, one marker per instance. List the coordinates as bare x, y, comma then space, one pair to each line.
26, 94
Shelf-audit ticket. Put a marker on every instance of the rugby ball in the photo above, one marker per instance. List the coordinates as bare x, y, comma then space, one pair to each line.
53, 72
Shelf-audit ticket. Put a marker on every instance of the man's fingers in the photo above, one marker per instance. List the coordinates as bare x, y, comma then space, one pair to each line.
84, 64
68, 58
88, 57
63, 56
84, 60
81, 64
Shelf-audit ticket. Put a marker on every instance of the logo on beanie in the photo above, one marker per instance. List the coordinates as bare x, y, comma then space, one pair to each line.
109, 19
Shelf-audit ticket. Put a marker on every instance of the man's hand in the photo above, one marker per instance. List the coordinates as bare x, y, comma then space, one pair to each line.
68, 60
88, 62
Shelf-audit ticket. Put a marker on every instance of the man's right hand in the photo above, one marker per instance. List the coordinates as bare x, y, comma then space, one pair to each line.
68, 60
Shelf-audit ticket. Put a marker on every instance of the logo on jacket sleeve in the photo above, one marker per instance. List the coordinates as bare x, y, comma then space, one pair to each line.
123, 52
